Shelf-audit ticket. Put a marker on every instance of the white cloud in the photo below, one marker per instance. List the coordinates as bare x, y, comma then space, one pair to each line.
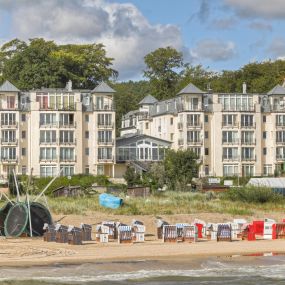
126, 33
214, 50
269, 9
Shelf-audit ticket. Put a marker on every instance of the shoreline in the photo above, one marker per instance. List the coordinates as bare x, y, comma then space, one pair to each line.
34, 252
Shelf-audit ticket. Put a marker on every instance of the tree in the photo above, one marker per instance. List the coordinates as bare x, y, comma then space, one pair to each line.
40, 63
180, 167
132, 177
162, 70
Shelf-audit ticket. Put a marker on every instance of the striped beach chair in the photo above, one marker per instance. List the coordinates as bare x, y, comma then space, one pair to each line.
180, 228
159, 225
49, 233
190, 233
112, 234
61, 234
125, 234
74, 235
169, 233
138, 233
224, 232
86, 231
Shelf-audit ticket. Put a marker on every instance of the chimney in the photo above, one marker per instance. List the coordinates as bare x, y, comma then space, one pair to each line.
68, 86
244, 88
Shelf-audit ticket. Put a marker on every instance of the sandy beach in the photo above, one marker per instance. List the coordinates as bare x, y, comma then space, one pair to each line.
34, 251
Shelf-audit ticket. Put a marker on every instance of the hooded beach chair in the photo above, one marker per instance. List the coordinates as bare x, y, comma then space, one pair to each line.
125, 234
61, 234
224, 232
74, 235
49, 232
159, 225
138, 232
169, 233
86, 231
190, 233
179, 228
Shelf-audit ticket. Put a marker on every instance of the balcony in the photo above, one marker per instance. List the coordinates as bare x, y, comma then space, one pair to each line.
241, 108
110, 142
106, 159
280, 125
67, 126
231, 157
191, 125
9, 125
49, 142
192, 108
67, 159
228, 125
9, 160
280, 142
194, 142
48, 159
280, 157
107, 107
248, 125
248, 142
231, 142
9, 142
107, 126
60, 107
250, 158
68, 142
50, 125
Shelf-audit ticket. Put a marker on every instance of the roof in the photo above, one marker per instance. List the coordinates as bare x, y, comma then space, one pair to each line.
136, 137
270, 182
103, 88
190, 89
8, 87
277, 90
148, 100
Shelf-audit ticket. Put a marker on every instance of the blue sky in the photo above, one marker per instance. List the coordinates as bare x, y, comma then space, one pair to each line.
219, 34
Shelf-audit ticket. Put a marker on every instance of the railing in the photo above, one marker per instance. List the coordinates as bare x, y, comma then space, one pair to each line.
68, 126
107, 126
67, 159
107, 107
280, 125
49, 143
280, 142
227, 125
248, 125
231, 157
74, 142
105, 159
193, 125
11, 124
280, 157
9, 159
61, 107
250, 142
235, 141
109, 142
251, 158
48, 159
194, 142
50, 125
241, 108
9, 142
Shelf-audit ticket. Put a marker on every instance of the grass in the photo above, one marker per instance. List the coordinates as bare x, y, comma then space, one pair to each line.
238, 203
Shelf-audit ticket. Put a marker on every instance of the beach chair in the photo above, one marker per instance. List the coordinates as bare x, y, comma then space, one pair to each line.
49, 233
169, 233
190, 233
125, 234
112, 233
138, 233
86, 231
179, 228
280, 231
61, 234
159, 225
224, 232
74, 235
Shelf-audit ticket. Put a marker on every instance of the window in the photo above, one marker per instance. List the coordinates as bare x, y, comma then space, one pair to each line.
193, 136
23, 117
100, 169
247, 137
48, 119
87, 134
105, 136
247, 120
8, 153
230, 153
230, 137
206, 151
8, 136
146, 126
247, 170
264, 119
193, 120
86, 101
196, 150
23, 151
280, 136
171, 121
87, 151
66, 154
236, 102
66, 120
11, 102
264, 135
247, 153
229, 120
230, 170
206, 118
206, 134
206, 170
86, 118
171, 136
105, 153
8, 119
24, 170
48, 137
267, 169
280, 120
67, 170
105, 120
48, 170
23, 134
47, 153
264, 151
66, 137
87, 169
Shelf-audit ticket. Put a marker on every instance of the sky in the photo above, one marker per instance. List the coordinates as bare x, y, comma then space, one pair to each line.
218, 34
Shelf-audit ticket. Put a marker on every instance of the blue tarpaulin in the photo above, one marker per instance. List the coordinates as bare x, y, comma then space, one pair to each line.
110, 201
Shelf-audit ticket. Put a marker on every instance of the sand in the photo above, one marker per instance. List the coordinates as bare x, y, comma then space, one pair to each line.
34, 251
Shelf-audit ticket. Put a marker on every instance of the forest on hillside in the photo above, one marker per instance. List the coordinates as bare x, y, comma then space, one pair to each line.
40, 63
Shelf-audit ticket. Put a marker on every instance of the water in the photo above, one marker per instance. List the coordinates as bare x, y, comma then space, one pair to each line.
228, 270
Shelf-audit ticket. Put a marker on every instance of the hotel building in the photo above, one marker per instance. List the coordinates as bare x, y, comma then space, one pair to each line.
238, 134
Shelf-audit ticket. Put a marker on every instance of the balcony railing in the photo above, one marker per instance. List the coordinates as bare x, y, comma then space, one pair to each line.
194, 142
227, 125
9, 160
248, 125
280, 142
70, 107
234, 141
106, 126
241, 108
49, 125
108, 142
107, 107
68, 142
9, 142
68, 126
280, 125
9, 125
191, 125
106, 159
48, 159
248, 142
280, 157
67, 159
49, 142
250, 158
231, 157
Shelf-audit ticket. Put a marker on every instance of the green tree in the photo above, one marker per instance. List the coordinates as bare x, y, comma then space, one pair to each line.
162, 70
180, 167
40, 63
132, 177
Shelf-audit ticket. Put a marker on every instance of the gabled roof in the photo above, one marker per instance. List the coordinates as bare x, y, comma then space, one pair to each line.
8, 87
191, 89
103, 88
148, 100
277, 90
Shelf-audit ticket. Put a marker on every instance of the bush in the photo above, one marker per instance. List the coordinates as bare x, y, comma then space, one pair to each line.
253, 195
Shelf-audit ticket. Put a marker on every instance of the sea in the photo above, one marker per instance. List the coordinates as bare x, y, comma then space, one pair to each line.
239, 270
